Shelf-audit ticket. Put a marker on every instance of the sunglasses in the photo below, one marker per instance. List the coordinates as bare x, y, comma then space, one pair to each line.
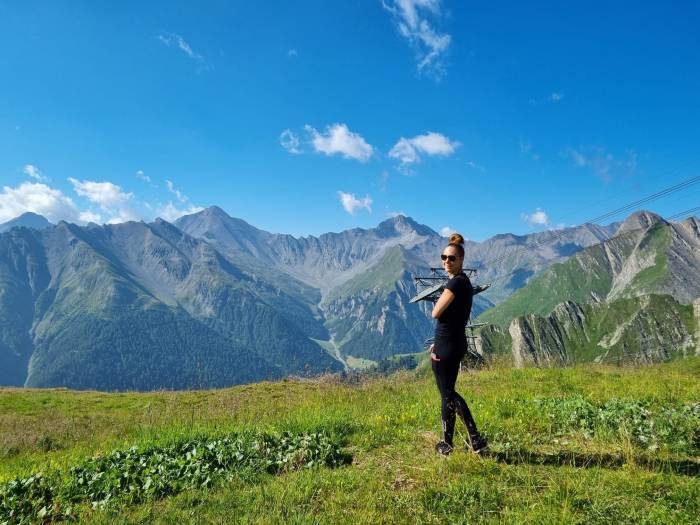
450, 258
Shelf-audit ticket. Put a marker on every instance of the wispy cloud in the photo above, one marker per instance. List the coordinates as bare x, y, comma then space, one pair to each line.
351, 203
478, 167
140, 174
602, 162
537, 218
171, 188
526, 149
409, 151
290, 141
170, 212
173, 40
557, 96
552, 98
292, 53
383, 179
394, 214
32, 171
430, 46
337, 139
446, 231
111, 199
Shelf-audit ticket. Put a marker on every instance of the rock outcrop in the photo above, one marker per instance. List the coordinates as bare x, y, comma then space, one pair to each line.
646, 329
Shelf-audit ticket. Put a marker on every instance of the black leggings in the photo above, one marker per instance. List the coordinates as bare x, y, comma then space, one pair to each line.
446, 371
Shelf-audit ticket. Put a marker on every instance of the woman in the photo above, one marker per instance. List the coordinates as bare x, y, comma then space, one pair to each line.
452, 313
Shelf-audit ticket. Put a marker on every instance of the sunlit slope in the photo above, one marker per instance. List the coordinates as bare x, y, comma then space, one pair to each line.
644, 329
369, 315
593, 444
646, 256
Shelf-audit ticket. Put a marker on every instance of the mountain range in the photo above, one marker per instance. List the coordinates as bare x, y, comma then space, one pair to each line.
633, 297
210, 300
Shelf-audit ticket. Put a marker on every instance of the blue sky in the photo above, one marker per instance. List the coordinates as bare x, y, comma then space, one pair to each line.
307, 117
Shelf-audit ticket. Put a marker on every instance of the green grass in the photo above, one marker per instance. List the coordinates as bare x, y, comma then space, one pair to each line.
657, 241
552, 460
359, 363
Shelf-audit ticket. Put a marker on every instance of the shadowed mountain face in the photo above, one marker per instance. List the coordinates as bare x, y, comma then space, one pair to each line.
144, 306
211, 301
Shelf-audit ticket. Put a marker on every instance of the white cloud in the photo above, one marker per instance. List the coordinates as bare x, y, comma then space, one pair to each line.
171, 39
537, 218
352, 203
290, 141
446, 231
109, 197
338, 139
103, 193
557, 96
90, 216
394, 214
32, 171
430, 46
404, 151
408, 151
141, 176
181, 197
37, 198
170, 212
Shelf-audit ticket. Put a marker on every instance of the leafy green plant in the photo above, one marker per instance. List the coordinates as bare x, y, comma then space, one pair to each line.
674, 428
141, 474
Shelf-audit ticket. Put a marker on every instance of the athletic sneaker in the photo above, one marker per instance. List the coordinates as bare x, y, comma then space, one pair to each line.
443, 448
479, 444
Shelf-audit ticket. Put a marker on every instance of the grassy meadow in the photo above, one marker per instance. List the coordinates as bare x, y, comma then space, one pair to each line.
589, 444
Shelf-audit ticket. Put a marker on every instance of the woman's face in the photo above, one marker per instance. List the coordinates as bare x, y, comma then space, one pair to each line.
452, 266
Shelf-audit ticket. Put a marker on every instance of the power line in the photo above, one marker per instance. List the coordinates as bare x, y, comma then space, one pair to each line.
627, 207
674, 216
662, 175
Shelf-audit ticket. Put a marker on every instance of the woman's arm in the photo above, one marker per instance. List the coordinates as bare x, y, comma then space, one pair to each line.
445, 299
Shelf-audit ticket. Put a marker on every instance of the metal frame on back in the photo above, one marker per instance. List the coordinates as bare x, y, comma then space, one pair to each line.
430, 287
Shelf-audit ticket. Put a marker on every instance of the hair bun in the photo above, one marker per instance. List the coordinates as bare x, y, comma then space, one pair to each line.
456, 238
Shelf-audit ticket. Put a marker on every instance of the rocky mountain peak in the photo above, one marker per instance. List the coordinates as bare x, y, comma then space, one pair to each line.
402, 225
640, 220
28, 220
213, 211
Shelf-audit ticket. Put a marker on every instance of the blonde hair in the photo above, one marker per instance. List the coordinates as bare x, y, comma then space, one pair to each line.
457, 241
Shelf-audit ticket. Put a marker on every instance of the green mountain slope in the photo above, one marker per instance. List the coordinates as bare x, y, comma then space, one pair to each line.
643, 329
23, 274
369, 315
137, 306
647, 255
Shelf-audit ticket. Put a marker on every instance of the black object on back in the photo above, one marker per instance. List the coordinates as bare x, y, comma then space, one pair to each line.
455, 317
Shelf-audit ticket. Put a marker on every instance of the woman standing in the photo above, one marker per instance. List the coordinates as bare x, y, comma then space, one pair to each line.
452, 313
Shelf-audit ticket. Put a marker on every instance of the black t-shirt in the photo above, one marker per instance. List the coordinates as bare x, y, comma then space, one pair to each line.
455, 317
